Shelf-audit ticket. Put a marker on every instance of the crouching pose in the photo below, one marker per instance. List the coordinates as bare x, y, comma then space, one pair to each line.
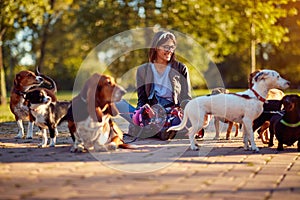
163, 82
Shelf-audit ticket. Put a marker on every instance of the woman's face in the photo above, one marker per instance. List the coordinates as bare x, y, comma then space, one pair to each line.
165, 51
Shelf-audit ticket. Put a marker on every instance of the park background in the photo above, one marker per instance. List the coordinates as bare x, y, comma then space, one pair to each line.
238, 36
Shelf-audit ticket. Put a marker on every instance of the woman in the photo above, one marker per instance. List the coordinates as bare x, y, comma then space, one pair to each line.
163, 80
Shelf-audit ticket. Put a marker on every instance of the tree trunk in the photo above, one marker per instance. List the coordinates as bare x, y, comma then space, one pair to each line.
3, 92
44, 39
253, 45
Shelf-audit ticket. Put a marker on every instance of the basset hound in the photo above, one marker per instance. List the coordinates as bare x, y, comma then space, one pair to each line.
89, 117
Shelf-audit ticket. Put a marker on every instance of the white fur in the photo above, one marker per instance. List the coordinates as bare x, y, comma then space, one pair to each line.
232, 107
39, 111
92, 134
44, 139
23, 112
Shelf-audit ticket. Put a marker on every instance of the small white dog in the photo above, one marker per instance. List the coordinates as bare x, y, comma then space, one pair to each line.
241, 107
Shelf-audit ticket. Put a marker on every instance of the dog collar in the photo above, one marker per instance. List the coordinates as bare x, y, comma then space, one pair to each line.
290, 125
20, 93
258, 96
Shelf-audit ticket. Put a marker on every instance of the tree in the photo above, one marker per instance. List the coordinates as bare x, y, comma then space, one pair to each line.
14, 16
68, 30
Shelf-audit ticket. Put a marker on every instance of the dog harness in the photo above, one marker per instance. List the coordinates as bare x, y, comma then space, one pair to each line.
290, 125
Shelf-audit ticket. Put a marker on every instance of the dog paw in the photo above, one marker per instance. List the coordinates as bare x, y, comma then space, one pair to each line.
112, 146
270, 144
77, 150
52, 145
73, 150
29, 138
256, 149
41, 145
195, 148
279, 148
247, 148
101, 148
216, 138
19, 137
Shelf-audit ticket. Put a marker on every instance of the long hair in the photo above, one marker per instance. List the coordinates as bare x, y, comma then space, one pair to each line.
160, 38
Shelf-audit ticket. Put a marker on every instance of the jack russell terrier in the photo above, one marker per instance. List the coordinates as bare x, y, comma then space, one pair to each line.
241, 107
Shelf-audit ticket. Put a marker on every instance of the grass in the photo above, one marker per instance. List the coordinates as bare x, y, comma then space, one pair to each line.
7, 116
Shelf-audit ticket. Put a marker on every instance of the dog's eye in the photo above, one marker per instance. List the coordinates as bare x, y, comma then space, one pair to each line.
109, 82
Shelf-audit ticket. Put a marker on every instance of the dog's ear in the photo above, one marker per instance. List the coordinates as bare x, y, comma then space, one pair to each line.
260, 76
94, 111
252, 75
91, 86
91, 82
17, 79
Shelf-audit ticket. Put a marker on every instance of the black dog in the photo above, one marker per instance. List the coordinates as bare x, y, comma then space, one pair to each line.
46, 112
271, 107
286, 126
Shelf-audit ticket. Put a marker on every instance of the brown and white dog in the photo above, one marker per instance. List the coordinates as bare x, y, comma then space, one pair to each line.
241, 107
89, 118
23, 81
46, 112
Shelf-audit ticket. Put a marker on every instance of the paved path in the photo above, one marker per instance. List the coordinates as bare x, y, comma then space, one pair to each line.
155, 170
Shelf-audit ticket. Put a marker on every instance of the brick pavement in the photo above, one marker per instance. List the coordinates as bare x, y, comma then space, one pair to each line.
155, 170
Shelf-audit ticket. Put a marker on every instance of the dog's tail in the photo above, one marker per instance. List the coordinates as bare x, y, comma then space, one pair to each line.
127, 146
48, 82
181, 125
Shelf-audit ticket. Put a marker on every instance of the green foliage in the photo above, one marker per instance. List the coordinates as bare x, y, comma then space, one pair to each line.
6, 115
221, 27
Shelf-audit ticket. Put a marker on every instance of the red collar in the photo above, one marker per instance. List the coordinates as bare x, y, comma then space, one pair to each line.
258, 96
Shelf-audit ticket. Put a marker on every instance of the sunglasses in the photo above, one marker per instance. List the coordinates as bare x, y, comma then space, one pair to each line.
168, 47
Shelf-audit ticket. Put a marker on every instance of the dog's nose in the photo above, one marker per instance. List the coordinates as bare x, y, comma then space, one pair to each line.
47, 99
39, 79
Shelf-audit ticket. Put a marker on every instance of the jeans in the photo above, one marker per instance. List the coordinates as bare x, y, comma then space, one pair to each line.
126, 110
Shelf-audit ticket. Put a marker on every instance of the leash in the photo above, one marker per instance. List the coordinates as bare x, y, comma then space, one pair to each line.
139, 133
136, 137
